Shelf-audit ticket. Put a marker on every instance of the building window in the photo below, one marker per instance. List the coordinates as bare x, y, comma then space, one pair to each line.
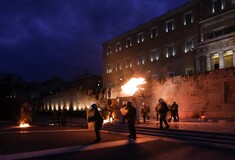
109, 51
140, 38
128, 63
188, 46
169, 26
188, 19
155, 76
154, 56
154, 32
228, 59
170, 51
118, 67
118, 47
189, 71
171, 74
128, 43
217, 5
109, 69
218, 32
140, 60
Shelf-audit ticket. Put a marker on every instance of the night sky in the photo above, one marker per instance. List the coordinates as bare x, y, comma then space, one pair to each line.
40, 39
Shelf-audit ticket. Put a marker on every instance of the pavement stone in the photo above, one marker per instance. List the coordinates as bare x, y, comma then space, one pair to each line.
220, 126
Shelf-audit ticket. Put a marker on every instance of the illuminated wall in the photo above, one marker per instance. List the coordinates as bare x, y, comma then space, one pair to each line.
210, 94
72, 99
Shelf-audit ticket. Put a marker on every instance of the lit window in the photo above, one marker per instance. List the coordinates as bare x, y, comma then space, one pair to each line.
140, 60
169, 26
128, 43
154, 32
217, 5
109, 51
154, 56
109, 69
188, 19
188, 46
118, 67
140, 38
170, 51
118, 47
128, 63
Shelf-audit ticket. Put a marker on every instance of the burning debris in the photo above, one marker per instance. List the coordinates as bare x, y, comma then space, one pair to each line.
25, 115
23, 124
131, 87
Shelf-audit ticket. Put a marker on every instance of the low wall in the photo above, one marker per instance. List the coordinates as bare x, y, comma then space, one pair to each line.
210, 94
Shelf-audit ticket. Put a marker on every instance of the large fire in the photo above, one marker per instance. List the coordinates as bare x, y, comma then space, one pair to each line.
132, 86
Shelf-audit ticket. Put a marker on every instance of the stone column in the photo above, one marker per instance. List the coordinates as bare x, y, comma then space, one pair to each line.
221, 60
233, 58
208, 62
198, 69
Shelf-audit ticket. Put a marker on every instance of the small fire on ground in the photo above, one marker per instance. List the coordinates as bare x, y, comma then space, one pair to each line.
23, 124
109, 120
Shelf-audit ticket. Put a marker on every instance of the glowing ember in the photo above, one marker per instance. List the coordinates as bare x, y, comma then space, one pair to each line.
132, 85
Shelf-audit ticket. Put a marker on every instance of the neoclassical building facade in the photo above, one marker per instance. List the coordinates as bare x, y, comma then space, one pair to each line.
198, 36
216, 48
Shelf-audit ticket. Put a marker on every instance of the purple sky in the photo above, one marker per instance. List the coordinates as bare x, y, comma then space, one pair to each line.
40, 39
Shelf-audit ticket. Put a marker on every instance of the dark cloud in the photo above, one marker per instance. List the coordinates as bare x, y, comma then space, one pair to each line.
44, 38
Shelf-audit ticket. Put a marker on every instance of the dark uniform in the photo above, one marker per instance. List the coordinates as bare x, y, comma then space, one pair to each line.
144, 111
97, 118
131, 117
174, 112
163, 112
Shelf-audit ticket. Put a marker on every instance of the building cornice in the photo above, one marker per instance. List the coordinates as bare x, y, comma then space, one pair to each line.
217, 18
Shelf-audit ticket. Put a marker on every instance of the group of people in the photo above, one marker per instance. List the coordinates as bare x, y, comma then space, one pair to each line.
130, 116
129, 113
161, 112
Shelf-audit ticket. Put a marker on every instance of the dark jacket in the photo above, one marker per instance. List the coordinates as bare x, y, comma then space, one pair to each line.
131, 114
174, 109
97, 118
163, 110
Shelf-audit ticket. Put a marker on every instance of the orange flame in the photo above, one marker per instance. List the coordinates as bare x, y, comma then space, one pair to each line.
132, 85
23, 124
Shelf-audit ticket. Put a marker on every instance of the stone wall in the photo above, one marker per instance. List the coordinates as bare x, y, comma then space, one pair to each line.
209, 94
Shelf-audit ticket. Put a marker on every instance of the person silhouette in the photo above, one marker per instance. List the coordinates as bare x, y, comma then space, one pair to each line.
131, 117
97, 118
